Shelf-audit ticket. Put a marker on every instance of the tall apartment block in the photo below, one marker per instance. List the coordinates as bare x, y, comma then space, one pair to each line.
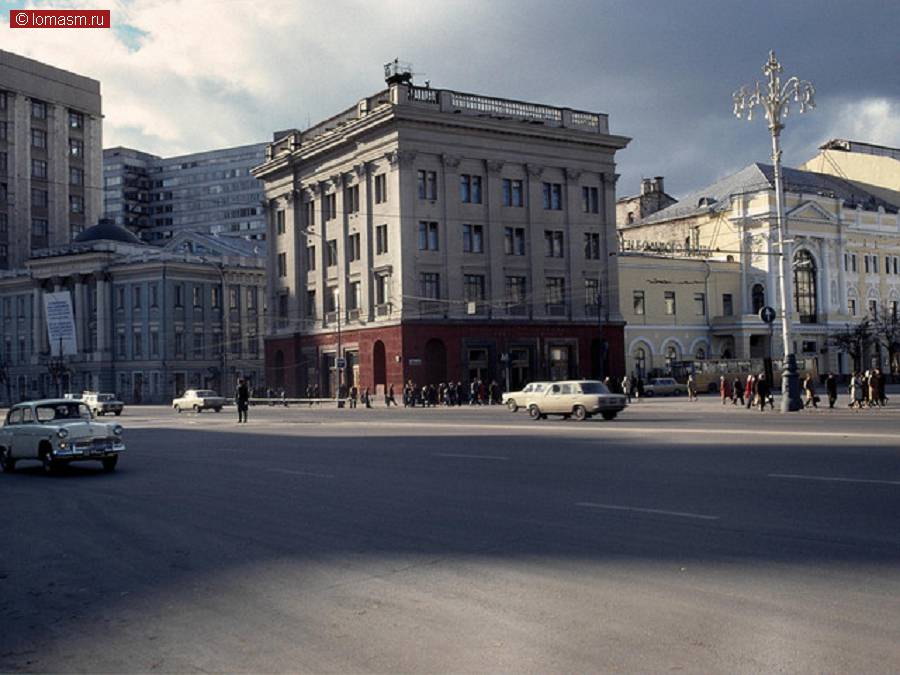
208, 192
50, 157
433, 235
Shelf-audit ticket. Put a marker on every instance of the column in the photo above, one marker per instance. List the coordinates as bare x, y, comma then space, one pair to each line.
79, 313
38, 329
103, 317
494, 235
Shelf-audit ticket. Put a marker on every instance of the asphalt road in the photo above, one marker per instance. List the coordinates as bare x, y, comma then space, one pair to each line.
679, 537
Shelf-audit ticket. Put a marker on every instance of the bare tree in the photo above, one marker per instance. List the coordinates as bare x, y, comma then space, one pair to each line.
886, 330
855, 340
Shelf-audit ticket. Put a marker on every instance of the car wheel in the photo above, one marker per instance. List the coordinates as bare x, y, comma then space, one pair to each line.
49, 464
511, 405
579, 413
609, 415
118, 412
217, 409
535, 413
197, 409
109, 464
178, 409
7, 463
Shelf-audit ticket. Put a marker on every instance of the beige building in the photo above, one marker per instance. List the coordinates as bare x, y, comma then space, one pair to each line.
652, 198
844, 245
50, 157
432, 235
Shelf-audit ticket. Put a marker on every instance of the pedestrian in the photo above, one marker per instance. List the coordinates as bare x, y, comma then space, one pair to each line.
242, 400
639, 387
737, 392
692, 388
762, 391
856, 391
626, 388
882, 398
809, 390
874, 395
724, 387
389, 397
354, 395
831, 388
749, 390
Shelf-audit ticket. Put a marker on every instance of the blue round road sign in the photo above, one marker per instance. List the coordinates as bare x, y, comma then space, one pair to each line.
767, 314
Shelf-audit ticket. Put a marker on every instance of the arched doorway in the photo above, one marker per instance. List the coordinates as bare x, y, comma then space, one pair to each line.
379, 365
435, 362
279, 369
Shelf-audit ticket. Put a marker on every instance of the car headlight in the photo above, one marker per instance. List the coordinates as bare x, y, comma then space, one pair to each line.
62, 433
117, 430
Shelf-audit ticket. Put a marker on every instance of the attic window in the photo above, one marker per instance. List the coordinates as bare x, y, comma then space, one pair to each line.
630, 217
706, 201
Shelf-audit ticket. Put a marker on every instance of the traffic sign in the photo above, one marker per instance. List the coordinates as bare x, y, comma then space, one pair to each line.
767, 314
341, 363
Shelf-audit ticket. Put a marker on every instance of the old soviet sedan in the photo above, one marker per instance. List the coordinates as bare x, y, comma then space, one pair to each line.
578, 399
56, 432
199, 400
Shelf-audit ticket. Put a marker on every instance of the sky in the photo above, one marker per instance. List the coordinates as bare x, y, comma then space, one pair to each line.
182, 76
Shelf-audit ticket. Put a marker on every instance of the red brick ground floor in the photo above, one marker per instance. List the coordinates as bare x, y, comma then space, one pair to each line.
431, 353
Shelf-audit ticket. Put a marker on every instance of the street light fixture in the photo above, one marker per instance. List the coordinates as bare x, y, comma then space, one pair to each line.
775, 101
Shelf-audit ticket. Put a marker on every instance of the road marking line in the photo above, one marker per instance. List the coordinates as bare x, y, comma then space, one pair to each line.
834, 479
451, 454
303, 473
612, 507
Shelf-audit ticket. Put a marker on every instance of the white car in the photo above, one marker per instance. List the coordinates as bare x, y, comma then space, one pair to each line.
103, 404
664, 386
520, 399
56, 432
199, 400
578, 399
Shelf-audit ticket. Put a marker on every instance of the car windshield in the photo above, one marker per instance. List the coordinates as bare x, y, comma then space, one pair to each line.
593, 388
105, 397
206, 392
55, 412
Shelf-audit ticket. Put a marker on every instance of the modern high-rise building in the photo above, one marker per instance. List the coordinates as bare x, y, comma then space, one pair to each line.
433, 235
50, 157
208, 192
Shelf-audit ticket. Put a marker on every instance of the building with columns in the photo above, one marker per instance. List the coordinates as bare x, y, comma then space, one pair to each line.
149, 321
844, 246
50, 157
433, 235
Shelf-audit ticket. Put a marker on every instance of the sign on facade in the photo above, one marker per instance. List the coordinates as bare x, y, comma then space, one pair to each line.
664, 248
60, 323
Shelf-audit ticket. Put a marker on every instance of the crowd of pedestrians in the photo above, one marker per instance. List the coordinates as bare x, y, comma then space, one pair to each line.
478, 392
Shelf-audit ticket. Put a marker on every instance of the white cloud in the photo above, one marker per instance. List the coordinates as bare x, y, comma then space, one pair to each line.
872, 120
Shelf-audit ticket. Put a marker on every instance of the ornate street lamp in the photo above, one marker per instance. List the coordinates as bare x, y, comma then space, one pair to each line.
775, 101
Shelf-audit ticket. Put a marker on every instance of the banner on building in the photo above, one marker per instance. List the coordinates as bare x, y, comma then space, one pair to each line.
60, 323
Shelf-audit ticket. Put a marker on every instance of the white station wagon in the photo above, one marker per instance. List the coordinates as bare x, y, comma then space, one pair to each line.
199, 400
56, 432
578, 399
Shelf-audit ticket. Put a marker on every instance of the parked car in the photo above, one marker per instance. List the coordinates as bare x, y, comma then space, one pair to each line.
664, 386
56, 432
103, 404
520, 399
199, 400
73, 396
578, 399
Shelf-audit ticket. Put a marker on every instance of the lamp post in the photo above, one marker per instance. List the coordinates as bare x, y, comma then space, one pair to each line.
775, 101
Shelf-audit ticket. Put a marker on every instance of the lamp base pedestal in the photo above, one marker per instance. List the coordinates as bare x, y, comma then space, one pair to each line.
791, 401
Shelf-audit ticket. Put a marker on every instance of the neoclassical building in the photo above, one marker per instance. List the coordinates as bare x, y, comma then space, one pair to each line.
149, 321
432, 235
843, 243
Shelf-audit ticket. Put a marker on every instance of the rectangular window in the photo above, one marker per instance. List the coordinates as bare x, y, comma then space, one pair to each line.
311, 304
39, 168
179, 295
354, 295
380, 188
279, 222
473, 238
727, 304
430, 285
136, 297
553, 240
76, 120
428, 236
469, 188
846, 263
590, 200
552, 196
351, 199
2, 100
121, 344
282, 265
76, 176
310, 207
473, 287
381, 239
310, 258
38, 110
179, 343
515, 292
137, 344
700, 303
851, 306
853, 262
353, 248
154, 342
234, 295
39, 198
198, 344
215, 297
427, 185
894, 310
874, 264
591, 297
330, 206
3, 131
669, 297
638, 300
514, 240
252, 298
76, 148
866, 263
592, 246
513, 192
382, 284
332, 252
555, 292
873, 308
76, 204
38, 138
120, 297
154, 295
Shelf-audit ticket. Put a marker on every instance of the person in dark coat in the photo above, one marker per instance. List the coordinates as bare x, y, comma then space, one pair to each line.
831, 388
762, 391
242, 400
